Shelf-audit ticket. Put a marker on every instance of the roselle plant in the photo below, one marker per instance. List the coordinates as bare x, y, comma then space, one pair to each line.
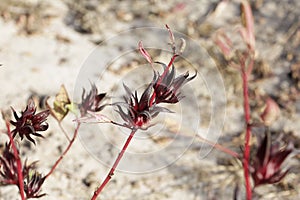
12, 171
137, 112
28, 124
265, 166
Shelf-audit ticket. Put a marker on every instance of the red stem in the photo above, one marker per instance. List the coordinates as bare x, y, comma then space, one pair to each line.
18, 160
65, 152
111, 172
248, 132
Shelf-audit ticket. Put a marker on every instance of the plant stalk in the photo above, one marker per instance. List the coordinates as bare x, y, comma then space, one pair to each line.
65, 151
113, 168
248, 134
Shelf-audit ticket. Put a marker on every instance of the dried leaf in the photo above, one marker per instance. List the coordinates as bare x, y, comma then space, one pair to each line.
60, 104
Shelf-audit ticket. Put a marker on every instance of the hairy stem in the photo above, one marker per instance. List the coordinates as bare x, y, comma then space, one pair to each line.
65, 151
18, 160
113, 168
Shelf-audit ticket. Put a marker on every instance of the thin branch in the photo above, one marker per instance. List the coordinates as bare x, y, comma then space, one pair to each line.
246, 159
111, 172
65, 151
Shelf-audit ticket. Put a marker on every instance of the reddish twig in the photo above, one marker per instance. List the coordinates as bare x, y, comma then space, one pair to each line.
248, 131
225, 44
111, 172
18, 160
65, 151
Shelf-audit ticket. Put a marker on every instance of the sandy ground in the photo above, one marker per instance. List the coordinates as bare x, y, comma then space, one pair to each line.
56, 43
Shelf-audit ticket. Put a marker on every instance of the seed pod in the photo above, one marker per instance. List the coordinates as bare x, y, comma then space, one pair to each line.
271, 112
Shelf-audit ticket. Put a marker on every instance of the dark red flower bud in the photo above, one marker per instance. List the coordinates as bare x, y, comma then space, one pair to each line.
8, 167
91, 101
266, 167
138, 112
32, 185
29, 123
166, 88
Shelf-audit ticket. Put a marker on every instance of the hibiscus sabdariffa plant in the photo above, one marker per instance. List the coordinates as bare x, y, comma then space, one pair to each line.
266, 165
136, 112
